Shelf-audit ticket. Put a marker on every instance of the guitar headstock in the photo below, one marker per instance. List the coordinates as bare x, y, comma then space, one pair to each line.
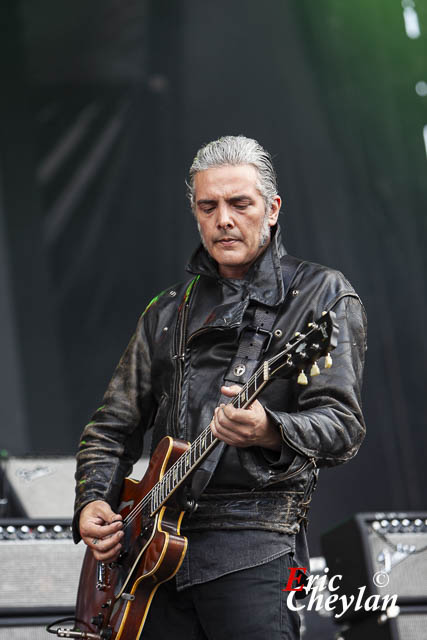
304, 349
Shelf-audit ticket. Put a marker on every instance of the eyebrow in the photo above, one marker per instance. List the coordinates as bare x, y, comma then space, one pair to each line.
205, 201
240, 198
232, 200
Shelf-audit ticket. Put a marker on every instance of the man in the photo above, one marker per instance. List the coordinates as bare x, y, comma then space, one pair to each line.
193, 345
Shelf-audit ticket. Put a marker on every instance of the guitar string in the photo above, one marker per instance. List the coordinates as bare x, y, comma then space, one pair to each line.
134, 513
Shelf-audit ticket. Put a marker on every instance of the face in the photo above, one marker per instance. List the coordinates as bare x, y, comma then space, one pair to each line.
231, 216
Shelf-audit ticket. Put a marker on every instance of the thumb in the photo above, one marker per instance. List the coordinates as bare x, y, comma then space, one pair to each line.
101, 510
107, 513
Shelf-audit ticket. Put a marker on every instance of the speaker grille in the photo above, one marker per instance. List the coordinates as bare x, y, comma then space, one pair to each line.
24, 633
412, 626
40, 566
39, 573
408, 577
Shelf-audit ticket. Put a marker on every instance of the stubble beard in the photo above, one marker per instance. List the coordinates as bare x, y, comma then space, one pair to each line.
264, 233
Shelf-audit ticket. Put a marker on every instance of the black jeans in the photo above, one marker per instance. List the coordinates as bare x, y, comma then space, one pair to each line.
244, 605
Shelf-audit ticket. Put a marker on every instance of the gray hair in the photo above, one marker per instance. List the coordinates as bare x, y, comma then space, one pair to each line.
236, 150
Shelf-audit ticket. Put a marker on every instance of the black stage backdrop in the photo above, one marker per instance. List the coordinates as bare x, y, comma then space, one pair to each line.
103, 106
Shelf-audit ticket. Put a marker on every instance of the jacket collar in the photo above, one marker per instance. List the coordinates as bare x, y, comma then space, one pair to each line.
264, 278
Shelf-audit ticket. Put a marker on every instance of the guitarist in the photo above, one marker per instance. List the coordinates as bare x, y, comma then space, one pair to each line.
194, 346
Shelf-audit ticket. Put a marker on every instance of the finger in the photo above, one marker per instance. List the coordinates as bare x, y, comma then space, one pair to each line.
89, 529
101, 509
106, 543
235, 435
231, 391
93, 520
229, 414
107, 556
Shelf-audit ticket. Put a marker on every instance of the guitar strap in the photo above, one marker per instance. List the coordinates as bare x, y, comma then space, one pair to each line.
255, 339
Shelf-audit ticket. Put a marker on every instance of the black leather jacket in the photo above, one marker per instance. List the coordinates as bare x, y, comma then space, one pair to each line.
321, 423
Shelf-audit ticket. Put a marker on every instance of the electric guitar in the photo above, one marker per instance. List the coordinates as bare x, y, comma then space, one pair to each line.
114, 598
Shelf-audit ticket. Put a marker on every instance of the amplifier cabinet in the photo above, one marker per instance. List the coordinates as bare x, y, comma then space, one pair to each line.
410, 624
40, 567
26, 628
43, 487
384, 552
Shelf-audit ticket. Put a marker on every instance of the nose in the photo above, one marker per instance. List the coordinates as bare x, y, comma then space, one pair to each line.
224, 218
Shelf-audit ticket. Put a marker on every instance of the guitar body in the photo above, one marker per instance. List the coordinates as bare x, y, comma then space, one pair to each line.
114, 598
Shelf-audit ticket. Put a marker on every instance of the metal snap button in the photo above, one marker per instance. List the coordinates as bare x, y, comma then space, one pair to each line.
239, 370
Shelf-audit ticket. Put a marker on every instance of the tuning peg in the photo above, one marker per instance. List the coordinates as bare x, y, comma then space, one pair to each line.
328, 361
314, 371
302, 378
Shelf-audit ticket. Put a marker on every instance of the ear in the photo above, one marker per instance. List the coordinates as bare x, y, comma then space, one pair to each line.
274, 210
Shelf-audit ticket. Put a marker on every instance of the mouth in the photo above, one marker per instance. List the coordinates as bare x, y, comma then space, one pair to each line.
227, 242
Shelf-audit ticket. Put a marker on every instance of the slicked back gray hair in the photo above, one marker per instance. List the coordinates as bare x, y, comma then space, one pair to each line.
236, 150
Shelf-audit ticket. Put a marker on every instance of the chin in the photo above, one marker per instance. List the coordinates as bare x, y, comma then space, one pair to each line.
228, 259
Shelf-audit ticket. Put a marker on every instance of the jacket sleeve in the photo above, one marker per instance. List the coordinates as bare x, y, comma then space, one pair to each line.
328, 425
113, 440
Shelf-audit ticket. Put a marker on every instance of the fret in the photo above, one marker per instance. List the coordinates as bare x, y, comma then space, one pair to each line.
210, 438
251, 390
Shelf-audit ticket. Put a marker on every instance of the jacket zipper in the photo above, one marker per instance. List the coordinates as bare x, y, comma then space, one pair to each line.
304, 465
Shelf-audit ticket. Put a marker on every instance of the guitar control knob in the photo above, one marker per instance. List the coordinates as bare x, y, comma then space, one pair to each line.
97, 620
106, 633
